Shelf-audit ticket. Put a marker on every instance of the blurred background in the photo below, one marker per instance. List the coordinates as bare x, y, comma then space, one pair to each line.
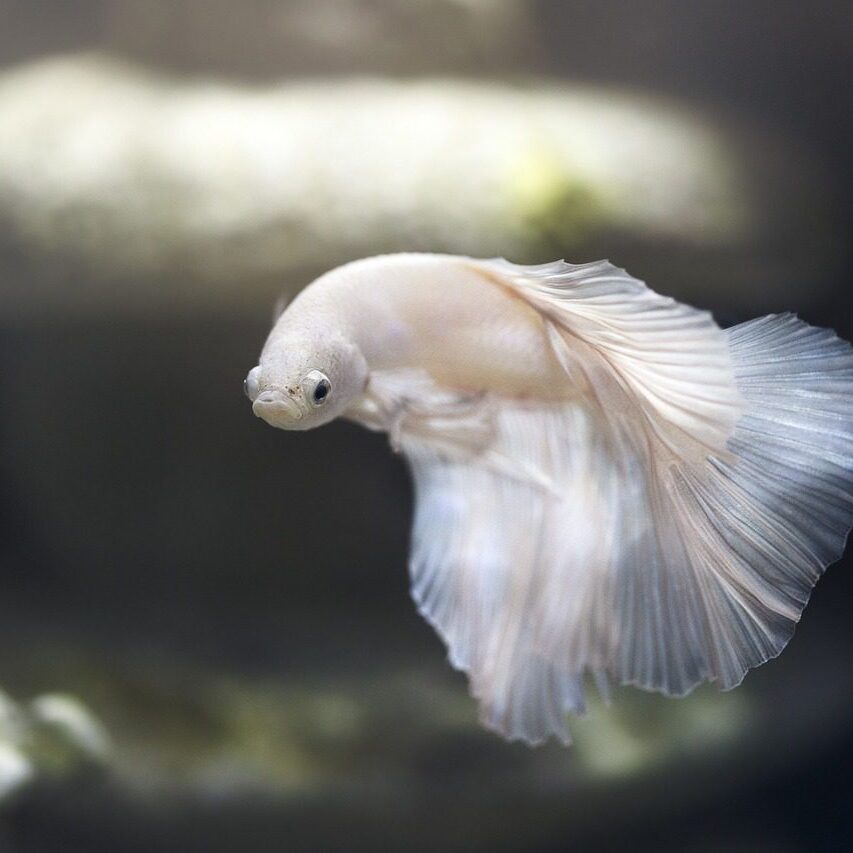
206, 639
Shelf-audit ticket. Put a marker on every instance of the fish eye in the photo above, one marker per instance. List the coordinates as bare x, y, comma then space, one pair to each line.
250, 384
317, 387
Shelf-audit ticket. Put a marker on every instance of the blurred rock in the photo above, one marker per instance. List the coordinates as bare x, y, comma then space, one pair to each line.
231, 192
15, 769
51, 738
342, 757
70, 723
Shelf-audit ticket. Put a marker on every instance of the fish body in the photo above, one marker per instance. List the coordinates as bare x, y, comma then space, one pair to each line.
607, 483
437, 313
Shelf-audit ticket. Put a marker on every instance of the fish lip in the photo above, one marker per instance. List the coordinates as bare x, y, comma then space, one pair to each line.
271, 403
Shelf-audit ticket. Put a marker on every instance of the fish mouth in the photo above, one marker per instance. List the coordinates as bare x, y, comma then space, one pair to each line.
276, 409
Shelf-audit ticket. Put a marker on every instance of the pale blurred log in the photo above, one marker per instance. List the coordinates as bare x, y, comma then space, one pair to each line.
233, 192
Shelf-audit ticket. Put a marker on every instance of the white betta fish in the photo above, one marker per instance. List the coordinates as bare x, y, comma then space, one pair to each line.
607, 483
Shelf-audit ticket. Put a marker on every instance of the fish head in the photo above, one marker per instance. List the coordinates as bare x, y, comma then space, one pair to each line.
301, 383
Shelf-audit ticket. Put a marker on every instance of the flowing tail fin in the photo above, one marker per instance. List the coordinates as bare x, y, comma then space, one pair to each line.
648, 561
794, 445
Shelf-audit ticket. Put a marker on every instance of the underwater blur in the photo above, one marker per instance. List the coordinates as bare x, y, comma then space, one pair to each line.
208, 642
